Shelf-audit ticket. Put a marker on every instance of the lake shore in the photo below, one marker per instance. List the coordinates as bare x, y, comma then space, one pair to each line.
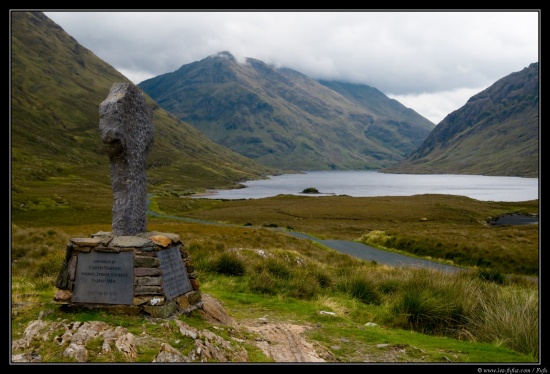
371, 183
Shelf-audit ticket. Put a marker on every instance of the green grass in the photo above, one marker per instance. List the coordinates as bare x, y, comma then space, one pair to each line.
452, 229
258, 272
58, 161
60, 189
248, 263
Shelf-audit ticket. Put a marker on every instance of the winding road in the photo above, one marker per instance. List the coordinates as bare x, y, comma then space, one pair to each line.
366, 252
355, 249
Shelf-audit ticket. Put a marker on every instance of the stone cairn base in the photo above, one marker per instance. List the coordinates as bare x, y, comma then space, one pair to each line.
150, 294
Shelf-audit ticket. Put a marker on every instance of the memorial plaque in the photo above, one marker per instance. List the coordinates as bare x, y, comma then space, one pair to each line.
104, 278
175, 280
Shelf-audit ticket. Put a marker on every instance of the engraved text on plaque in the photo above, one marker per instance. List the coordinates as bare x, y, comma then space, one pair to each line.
104, 278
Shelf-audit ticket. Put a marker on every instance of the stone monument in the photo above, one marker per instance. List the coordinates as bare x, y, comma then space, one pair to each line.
129, 269
126, 128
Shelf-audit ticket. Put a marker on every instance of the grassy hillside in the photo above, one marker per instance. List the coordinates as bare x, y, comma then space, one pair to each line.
346, 310
262, 278
453, 229
495, 133
56, 88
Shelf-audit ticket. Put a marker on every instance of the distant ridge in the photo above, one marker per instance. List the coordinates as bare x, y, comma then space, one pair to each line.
284, 119
495, 133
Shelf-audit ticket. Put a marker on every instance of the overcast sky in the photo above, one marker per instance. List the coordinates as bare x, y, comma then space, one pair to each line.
432, 62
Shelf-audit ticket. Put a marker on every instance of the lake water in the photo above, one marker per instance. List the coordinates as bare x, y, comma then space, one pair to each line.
372, 183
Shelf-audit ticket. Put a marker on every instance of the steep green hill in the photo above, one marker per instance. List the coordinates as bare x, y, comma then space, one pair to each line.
57, 157
286, 120
495, 133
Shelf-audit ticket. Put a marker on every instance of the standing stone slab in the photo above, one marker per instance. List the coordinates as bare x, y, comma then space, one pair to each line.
175, 280
104, 278
127, 130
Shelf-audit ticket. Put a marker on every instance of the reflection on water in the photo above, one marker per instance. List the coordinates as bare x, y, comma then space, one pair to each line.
516, 219
372, 183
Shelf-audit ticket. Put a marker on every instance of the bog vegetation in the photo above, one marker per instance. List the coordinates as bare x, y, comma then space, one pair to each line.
60, 189
488, 313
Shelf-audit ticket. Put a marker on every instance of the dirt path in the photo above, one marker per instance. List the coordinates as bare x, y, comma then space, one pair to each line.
283, 342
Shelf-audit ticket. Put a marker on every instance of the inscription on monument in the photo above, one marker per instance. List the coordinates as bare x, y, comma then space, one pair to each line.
104, 278
175, 280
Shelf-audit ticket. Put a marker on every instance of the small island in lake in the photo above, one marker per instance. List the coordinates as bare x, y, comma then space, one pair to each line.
310, 190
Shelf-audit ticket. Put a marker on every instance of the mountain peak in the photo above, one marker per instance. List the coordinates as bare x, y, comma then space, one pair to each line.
224, 54
284, 119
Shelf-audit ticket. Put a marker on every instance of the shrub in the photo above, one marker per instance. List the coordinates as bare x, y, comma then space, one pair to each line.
263, 283
431, 302
278, 268
323, 278
303, 288
229, 264
427, 312
490, 275
362, 289
509, 315
389, 286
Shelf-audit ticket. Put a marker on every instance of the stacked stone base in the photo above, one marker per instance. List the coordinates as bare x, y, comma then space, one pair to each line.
150, 294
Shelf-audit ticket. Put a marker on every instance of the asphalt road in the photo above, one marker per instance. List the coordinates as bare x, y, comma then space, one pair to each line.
369, 253
349, 247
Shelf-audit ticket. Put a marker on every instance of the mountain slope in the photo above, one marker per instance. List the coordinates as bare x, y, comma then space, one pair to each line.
396, 120
56, 151
284, 119
495, 133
